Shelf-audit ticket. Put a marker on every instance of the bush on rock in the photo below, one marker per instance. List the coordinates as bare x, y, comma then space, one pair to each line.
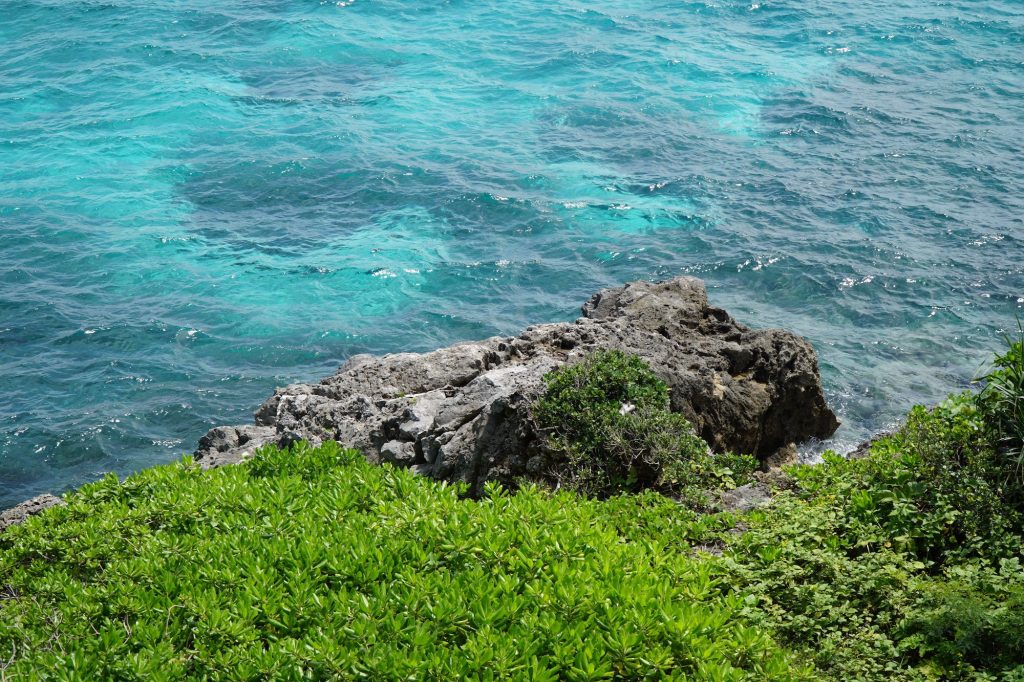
610, 429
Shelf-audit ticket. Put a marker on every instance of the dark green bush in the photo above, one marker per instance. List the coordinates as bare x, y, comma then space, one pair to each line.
1002, 399
944, 483
970, 619
610, 427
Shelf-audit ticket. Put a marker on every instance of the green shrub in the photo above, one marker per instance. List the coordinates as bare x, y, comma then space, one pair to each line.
611, 430
970, 619
946, 483
1002, 399
900, 566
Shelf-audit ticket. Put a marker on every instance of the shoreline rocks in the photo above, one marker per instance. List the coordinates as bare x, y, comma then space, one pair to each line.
20, 512
463, 413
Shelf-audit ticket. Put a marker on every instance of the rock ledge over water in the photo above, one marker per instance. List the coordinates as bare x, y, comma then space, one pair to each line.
463, 413
20, 512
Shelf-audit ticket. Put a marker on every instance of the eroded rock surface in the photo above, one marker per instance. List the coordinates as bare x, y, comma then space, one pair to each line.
463, 413
19, 513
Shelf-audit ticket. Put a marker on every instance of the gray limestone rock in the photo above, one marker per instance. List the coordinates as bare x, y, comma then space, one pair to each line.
19, 513
401, 453
231, 444
744, 498
463, 413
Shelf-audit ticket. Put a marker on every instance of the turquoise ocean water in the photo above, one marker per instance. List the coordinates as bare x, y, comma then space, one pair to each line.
202, 200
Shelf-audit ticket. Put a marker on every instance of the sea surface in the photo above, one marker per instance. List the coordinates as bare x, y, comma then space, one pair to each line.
202, 200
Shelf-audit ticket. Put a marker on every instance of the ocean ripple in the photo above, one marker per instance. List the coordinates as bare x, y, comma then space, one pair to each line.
199, 203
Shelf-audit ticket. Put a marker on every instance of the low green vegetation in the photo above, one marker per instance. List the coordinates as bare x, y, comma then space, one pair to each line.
907, 564
1002, 400
610, 429
903, 565
312, 564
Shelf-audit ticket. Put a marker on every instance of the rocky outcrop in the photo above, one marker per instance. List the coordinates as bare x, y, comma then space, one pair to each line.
19, 513
463, 413
231, 444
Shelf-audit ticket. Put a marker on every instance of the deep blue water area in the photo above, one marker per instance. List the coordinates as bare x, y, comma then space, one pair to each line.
202, 200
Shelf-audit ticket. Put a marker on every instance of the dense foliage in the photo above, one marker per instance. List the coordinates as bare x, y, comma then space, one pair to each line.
609, 424
1003, 402
905, 564
313, 564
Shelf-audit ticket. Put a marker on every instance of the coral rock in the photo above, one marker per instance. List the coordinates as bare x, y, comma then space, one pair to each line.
463, 413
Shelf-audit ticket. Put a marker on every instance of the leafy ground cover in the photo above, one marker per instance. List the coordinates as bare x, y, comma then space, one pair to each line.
313, 564
310, 563
905, 565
